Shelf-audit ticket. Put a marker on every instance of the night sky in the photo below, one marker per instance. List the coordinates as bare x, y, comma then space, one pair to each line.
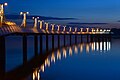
84, 10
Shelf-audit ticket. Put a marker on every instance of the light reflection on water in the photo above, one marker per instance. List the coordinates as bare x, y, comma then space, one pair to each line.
65, 52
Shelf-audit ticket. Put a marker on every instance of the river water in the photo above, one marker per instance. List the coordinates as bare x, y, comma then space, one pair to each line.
96, 60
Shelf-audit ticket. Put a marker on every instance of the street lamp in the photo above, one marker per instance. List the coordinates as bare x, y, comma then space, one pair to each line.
47, 25
41, 23
53, 25
92, 30
2, 12
76, 29
35, 21
24, 22
64, 29
70, 29
87, 30
58, 27
81, 30
97, 31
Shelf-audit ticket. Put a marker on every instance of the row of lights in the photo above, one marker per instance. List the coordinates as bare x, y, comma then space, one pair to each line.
97, 31
36, 20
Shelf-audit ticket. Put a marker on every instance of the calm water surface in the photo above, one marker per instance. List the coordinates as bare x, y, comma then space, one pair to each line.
83, 61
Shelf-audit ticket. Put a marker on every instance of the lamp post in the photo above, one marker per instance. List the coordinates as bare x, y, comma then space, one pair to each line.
47, 25
58, 27
2, 13
97, 31
75, 29
53, 25
101, 31
64, 29
81, 30
92, 30
87, 30
70, 29
35, 21
41, 23
24, 22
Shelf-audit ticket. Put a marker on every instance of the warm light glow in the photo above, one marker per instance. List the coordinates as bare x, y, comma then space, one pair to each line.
37, 17
10, 23
70, 29
58, 55
76, 49
42, 68
53, 58
97, 30
33, 17
104, 30
92, 46
104, 46
81, 29
64, 53
87, 48
97, 46
35, 21
101, 30
21, 13
101, 46
64, 29
41, 23
47, 25
47, 62
24, 22
109, 45
75, 29
27, 12
58, 27
53, 25
87, 30
36, 75
92, 29
5, 4
70, 51
81, 48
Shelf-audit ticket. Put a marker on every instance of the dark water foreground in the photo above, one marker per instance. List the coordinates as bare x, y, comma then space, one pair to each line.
98, 59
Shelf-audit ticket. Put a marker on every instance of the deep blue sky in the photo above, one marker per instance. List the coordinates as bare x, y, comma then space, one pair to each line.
85, 10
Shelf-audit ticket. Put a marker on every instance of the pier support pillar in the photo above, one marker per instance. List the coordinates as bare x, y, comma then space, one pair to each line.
46, 42
75, 39
36, 45
81, 38
41, 48
64, 40
24, 49
87, 38
2, 58
52, 41
91, 38
58, 41
70, 40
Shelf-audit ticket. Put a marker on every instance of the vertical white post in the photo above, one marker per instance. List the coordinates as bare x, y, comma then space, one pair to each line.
47, 25
41, 24
24, 20
53, 25
64, 29
70, 29
1, 14
58, 28
35, 21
